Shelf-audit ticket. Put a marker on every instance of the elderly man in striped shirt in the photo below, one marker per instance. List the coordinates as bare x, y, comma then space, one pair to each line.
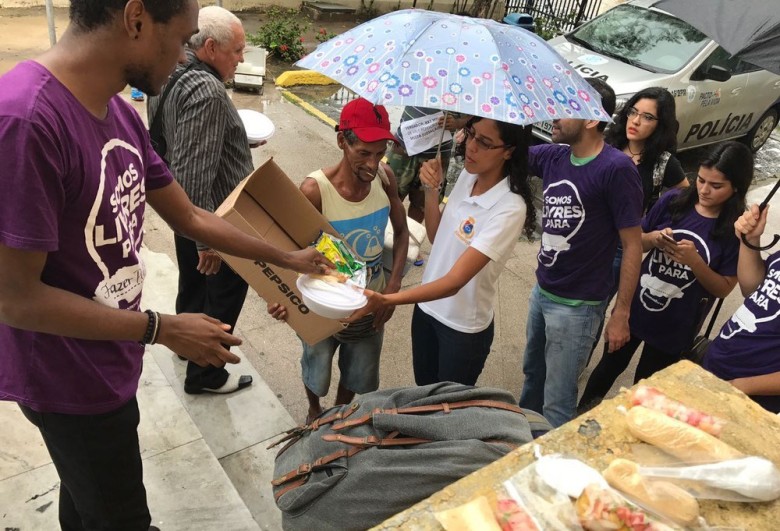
207, 151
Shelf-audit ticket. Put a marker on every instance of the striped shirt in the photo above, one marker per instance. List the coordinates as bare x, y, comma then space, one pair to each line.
208, 150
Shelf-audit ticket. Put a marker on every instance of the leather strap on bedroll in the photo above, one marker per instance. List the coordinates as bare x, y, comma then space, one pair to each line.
390, 449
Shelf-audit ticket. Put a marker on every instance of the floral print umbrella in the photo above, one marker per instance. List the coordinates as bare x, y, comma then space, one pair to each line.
454, 63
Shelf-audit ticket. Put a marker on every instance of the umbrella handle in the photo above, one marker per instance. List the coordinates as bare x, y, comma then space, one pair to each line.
441, 137
761, 208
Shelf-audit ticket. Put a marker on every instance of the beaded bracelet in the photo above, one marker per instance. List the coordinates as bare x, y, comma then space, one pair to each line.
157, 326
152, 328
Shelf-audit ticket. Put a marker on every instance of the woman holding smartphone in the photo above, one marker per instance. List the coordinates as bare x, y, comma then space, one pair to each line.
691, 255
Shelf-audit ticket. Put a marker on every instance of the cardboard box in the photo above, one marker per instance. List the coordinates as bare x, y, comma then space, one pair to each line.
269, 206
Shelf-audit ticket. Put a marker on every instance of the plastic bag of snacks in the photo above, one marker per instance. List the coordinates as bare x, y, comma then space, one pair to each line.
512, 516
747, 479
561, 492
550, 508
603, 509
652, 398
348, 267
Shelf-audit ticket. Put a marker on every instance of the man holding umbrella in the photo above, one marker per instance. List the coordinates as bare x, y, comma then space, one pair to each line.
592, 199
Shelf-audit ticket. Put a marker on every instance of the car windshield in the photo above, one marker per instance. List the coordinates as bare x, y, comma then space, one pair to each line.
648, 39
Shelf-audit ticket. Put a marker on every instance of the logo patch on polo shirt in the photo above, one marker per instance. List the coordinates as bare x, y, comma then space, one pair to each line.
466, 230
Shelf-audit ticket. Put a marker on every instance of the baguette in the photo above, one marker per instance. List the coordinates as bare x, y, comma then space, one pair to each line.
652, 398
688, 444
661, 497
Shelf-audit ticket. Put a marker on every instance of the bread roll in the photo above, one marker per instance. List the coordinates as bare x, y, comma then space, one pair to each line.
689, 444
652, 398
475, 515
332, 276
602, 509
661, 497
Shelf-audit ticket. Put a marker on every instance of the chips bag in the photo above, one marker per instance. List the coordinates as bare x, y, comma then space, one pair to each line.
338, 252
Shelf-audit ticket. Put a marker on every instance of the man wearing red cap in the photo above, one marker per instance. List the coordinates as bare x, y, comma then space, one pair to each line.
357, 196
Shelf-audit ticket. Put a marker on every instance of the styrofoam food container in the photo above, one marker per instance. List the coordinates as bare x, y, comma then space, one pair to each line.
334, 301
257, 125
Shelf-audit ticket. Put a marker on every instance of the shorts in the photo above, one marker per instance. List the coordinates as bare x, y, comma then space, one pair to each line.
358, 364
407, 169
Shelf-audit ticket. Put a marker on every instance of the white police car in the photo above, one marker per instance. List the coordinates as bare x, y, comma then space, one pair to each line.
634, 46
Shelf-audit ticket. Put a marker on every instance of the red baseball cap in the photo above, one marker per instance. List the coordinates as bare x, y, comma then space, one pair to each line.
369, 122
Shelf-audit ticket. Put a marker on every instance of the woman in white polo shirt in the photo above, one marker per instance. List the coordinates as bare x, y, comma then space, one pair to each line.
452, 325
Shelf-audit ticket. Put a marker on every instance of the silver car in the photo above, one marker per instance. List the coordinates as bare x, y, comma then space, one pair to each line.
718, 97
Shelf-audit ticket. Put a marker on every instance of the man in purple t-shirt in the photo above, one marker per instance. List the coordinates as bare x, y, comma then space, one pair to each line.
592, 200
746, 351
77, 171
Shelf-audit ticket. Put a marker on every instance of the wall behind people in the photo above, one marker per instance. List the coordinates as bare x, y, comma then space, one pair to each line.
382, 6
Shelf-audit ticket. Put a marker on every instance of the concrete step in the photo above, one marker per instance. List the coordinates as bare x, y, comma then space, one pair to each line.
205, 462
328, 11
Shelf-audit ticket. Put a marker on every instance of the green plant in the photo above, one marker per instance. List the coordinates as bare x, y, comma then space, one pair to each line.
324, 35
549, 27
281, 34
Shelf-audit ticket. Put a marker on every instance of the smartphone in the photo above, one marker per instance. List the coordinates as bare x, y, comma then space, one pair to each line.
668, 238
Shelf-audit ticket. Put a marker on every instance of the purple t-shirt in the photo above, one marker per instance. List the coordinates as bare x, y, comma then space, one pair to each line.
583, 209
668, 300
73, 186
749, 342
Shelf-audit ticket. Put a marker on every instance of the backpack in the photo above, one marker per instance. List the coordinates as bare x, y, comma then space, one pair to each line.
359, 464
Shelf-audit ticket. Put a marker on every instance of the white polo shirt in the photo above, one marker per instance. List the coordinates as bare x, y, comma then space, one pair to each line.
491, 223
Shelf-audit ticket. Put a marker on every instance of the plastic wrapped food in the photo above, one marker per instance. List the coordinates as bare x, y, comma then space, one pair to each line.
340, 254
746, 479
551, 509
601, 509
474, 515
511, 516
348, 268
652, 398
660, 497
331, 276
567, 475
688, 444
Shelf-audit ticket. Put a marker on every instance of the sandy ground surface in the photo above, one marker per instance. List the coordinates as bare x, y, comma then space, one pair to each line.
24, 33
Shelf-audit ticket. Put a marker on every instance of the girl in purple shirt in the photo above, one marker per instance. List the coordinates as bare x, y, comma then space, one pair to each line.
691, 259
746, 351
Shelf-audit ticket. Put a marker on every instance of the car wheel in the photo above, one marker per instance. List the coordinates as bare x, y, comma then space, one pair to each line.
758, 136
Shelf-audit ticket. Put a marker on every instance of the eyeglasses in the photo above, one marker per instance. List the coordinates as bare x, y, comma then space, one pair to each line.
481, 143
643, 116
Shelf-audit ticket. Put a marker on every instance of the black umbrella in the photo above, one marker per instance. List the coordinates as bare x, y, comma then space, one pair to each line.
749, 29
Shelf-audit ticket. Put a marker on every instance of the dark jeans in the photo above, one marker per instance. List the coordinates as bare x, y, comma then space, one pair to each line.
220, 296
441, 354
612, 365
99, 463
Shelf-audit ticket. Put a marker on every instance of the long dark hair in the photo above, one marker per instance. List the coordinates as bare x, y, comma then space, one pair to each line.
735, 161
664, 138
516, 167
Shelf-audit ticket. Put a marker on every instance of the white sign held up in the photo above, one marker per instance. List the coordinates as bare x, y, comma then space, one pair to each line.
423, 133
